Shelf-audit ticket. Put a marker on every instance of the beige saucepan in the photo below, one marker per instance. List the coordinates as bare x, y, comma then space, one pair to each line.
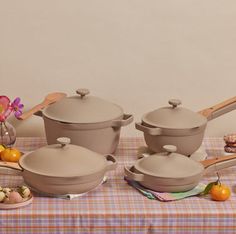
172, 172
175, 125
87, 120
64, 168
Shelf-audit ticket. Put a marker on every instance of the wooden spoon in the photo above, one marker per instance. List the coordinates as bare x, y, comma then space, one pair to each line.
49, 99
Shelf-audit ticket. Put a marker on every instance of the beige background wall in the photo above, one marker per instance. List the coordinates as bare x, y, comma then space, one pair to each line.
136, 53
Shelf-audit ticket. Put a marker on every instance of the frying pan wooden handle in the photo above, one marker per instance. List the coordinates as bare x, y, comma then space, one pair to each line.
10, 165
219, 163
224, 106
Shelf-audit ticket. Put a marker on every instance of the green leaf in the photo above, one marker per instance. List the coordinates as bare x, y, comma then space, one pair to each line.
208, 188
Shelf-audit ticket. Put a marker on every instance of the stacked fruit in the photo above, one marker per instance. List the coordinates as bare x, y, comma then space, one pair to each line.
230, 143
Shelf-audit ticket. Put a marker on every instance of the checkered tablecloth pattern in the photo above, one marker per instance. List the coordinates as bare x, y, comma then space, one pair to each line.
115, 207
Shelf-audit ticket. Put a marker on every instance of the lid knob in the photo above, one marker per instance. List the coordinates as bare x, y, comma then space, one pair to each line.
174, 102
82, 92
63, 141
170, 148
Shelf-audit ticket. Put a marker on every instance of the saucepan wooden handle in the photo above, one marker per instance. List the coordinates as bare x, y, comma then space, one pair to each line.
219, 109
219, 163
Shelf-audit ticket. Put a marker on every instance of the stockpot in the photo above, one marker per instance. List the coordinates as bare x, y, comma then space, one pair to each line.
87, 120
63, 168
179, 126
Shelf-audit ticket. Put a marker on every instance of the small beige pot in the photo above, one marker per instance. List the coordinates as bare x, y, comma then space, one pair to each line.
64, 168
175, 125
172, 172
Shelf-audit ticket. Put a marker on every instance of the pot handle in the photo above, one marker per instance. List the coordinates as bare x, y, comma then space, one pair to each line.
151, 131
11, 165
221, 162
219, 109
127, 119
132, 175
112, 162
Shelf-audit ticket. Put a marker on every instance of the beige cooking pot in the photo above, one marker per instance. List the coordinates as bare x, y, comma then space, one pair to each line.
172, 172
87, 120
64, 168
175, 125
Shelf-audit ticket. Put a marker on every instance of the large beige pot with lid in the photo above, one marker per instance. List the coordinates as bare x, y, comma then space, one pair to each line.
169, 171
87, 120
179, 126
63, 168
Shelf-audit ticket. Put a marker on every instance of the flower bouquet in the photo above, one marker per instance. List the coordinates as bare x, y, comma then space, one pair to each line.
7, 131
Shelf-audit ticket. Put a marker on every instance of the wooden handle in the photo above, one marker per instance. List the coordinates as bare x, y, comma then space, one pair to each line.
35, 109
223, 105
49, 99
11, 165
218, 163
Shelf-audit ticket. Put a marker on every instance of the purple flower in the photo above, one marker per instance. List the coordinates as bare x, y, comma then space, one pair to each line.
5, 108
17, 107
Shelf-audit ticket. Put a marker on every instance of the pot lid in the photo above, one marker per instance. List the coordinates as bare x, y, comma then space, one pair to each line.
174, 117
63, 160
169, 165
83, 109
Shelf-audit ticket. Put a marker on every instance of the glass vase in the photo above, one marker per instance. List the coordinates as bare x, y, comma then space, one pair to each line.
7, 134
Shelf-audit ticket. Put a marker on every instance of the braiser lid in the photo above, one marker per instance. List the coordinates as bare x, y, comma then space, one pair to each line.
174, 117
168, 164
63, 160
83, 109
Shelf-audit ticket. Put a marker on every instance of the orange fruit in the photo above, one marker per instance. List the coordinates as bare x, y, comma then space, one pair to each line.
220, 192
10, 155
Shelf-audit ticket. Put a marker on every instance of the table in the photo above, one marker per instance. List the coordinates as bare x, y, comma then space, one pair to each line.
116, 207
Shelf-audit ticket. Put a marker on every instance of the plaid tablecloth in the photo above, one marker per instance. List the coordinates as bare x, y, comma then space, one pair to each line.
115, 207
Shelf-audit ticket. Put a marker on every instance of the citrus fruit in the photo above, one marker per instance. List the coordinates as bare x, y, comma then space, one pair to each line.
10, 155
220, 192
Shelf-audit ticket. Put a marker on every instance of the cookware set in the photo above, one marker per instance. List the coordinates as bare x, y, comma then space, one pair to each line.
83, 131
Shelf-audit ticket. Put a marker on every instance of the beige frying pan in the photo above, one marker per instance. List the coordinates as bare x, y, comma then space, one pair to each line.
172, 172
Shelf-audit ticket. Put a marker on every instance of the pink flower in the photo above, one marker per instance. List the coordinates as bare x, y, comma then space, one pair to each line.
5, 108
17, 107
